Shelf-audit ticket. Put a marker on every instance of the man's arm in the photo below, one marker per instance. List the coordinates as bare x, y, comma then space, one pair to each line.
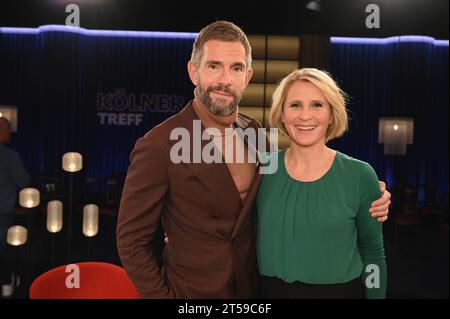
140, 211
379, 209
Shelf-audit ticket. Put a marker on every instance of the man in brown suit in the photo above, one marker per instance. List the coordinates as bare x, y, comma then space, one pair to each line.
206, 209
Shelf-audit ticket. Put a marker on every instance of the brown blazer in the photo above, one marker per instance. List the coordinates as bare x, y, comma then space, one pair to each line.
211, 253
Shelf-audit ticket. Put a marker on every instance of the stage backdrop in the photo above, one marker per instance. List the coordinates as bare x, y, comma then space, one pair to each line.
398, 77
97, 92
90, 92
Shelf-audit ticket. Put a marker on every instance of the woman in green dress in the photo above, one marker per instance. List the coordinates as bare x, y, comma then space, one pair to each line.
316, 238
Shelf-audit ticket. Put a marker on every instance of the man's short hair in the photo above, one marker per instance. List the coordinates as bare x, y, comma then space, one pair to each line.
222, 31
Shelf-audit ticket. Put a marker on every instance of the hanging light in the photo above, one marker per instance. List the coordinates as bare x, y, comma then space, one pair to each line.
54, 216
395, 134
90, 220
72, 162
29, 197
17, 235
314, 5
10, 113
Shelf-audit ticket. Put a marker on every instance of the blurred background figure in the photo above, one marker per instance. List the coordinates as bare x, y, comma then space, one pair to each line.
13, 176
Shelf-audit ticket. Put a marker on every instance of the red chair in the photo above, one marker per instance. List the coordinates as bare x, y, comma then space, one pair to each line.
96, 281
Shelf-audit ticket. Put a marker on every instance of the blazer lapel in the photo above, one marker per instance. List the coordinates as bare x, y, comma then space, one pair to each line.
214, 176
247, 207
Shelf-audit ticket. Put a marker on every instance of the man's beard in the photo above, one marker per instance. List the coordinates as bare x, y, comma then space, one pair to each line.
220, 106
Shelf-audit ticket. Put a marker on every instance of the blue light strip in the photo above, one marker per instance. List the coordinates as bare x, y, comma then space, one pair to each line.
106, 33
390, 40
192, 35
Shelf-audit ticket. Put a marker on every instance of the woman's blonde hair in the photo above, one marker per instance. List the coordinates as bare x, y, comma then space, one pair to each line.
333, 94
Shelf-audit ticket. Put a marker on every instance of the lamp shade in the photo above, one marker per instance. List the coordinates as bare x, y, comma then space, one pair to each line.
90, 220
10, 113
72, 162
395, 134
54, 216
29, 197
17, 235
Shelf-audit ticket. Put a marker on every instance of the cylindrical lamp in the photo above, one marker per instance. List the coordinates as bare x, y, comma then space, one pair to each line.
29, 197
54, 216
90, 220
17, 235
72, 162
396, 134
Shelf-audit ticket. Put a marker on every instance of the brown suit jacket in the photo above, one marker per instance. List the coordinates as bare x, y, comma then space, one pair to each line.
211, 253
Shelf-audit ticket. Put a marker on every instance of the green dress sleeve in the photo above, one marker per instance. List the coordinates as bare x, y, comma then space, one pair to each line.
370, 237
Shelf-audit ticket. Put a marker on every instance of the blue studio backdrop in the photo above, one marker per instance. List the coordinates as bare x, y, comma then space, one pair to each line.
90, 92
403, 76
96, 92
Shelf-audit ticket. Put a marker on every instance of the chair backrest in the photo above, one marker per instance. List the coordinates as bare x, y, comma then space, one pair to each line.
97, 280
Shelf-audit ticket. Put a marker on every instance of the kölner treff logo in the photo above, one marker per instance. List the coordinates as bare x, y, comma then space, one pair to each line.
121, 108
237, 145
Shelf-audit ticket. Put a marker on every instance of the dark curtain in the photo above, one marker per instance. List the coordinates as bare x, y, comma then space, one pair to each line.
61, 81
399, 79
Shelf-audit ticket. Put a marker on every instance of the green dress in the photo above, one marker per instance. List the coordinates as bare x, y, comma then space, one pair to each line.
321, 232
